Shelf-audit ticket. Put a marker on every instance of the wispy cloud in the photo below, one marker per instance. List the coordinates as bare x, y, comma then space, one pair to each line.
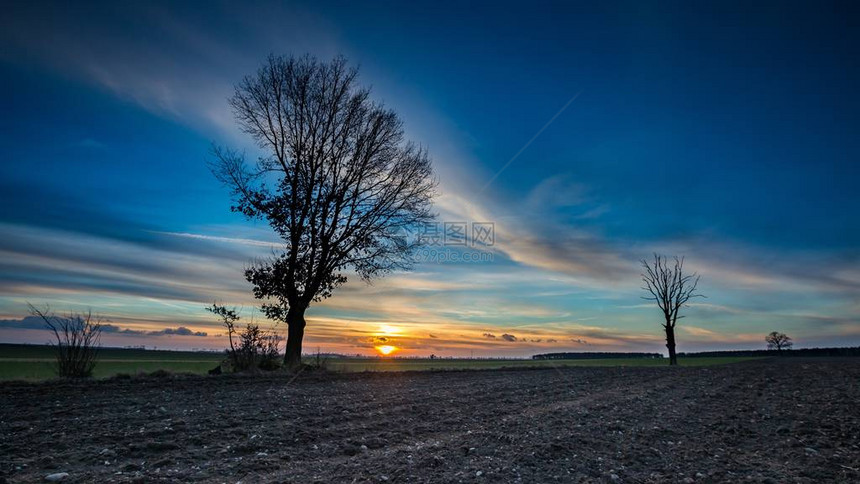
229, 240
183, 70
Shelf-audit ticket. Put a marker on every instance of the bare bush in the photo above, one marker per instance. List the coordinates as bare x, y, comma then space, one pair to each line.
77, 341
252, 348
270, 351
320, 362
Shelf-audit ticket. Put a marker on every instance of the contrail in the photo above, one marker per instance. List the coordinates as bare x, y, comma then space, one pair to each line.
215, 238
530, 141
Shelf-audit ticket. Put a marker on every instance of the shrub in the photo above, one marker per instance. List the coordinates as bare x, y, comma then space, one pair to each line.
77, 341
251, 349
270, 358
319, 362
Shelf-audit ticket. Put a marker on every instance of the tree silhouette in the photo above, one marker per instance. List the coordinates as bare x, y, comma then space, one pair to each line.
668, 285
338, 182
77, 341
778, 341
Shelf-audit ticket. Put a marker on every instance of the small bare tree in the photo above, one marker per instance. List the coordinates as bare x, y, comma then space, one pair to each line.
672, 289
254, 348
338, 181
228, 317
778, 341
77, 341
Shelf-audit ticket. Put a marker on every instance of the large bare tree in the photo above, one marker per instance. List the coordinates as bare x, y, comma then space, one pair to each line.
667, 284
338, 182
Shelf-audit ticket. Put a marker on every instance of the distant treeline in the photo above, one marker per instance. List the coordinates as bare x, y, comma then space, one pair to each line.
15, 350
593, 355
855, 351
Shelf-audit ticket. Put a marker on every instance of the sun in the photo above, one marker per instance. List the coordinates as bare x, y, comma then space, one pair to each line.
386, 350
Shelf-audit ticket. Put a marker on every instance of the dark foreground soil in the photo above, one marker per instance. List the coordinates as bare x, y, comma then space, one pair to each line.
780, 420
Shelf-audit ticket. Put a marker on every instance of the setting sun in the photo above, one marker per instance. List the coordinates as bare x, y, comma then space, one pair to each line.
386, 350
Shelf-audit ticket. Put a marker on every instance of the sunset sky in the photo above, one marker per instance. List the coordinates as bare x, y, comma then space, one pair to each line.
589, 135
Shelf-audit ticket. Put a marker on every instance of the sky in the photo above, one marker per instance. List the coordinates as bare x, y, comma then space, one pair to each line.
590, 135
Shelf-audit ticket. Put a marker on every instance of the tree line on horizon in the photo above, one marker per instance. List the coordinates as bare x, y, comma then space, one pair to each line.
590, 355
827, 351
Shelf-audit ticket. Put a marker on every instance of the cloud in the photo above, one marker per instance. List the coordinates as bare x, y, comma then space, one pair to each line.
179, 331
183, 71
147, 267
35, 322
695, 331
29, 322
489, 336
229, 240
557, 191
508, 337
536, 235
542, 239
182, 331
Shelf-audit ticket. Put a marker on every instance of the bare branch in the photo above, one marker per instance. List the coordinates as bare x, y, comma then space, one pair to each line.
77, 338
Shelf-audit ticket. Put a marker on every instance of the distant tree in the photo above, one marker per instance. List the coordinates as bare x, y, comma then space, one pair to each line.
671, 289
338, 182
77, 343
778, 341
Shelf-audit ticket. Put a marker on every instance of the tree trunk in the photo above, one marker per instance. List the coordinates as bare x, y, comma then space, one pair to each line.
295, 334
670, 344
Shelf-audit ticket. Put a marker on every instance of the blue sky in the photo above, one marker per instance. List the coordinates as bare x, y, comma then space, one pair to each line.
723, 131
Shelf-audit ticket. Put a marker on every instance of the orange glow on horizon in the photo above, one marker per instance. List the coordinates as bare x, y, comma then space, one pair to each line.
386, 350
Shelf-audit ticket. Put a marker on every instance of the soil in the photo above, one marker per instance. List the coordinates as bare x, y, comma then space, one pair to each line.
777, 420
